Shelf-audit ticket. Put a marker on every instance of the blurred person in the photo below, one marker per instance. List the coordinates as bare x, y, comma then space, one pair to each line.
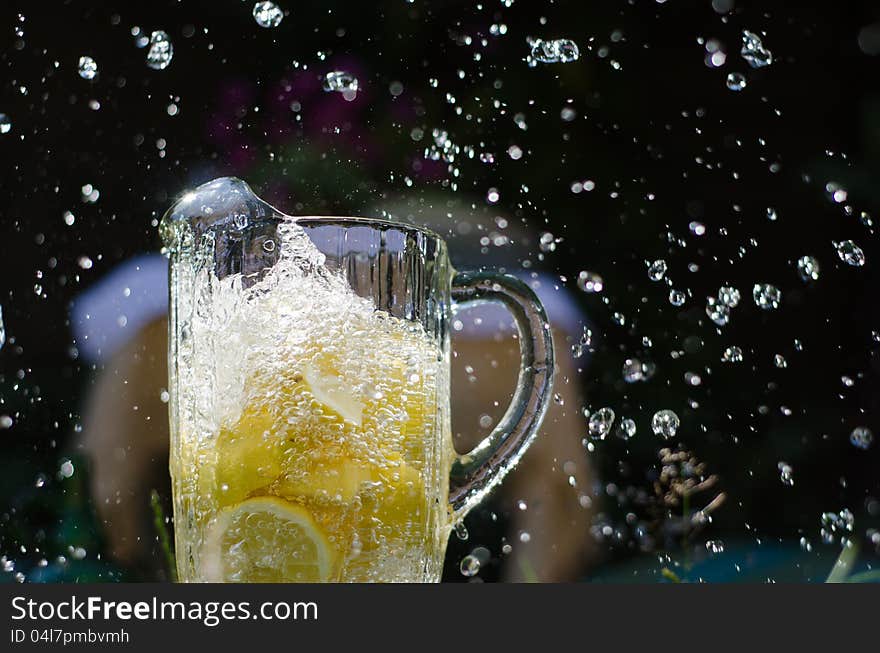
543, 508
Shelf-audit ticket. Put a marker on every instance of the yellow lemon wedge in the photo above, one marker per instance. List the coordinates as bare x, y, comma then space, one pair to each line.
265, 540
331, 390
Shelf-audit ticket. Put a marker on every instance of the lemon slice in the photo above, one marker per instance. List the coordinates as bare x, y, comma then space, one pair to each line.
331, 390
265, 540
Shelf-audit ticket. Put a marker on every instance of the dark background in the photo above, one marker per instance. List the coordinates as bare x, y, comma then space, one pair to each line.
663, 138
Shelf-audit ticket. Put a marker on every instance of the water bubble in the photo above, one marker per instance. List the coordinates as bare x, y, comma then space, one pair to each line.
665, 423
268, 14
567, 114
600, 423
715, 546
657, 270
590, 282
718, 311
729, 296
786, 473
339, 81
754, 52
5, 124
806, 545
469, 566
552, 51
677, 297
2, 329
736, 81
767, 297
626, 429
461, 531
87, 68
618, 318
6, 422
850, 253
771, 214
780, 362
692, 378
861, 437
808, 269
161, 51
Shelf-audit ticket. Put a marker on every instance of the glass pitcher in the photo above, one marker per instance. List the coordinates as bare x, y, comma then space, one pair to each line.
309, 393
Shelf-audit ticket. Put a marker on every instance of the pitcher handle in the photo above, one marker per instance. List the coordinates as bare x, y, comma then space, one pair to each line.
477, 472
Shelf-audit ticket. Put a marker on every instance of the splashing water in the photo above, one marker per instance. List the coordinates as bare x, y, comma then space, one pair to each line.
808, 268
552, 51
862, 438
600, 423
665, 423
268, 14
161, 51
754, 52
736, 81
732, 354
657, 270
786, 473
87, 68
729, 296
339, 81
850, 253
767, 297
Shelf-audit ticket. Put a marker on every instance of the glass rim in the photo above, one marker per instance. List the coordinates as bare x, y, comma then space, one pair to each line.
350, 220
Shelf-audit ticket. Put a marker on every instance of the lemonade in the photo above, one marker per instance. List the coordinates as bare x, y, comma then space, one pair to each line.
304, 431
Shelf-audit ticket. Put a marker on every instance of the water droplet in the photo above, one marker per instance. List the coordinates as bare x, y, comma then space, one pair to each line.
732, 355
715, 546
665, 423
729, 296
5, 124
578, 348
736, 81
808, 269
268, 14
590, 282
87, 68
600, 423
767, 297
66, 470
850, 253
786, 473
469, 566
553, 51
657, 270
718, 311
339, 81
626, 429
754, 52
861, 437
161, 51
547, 242
677, 297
